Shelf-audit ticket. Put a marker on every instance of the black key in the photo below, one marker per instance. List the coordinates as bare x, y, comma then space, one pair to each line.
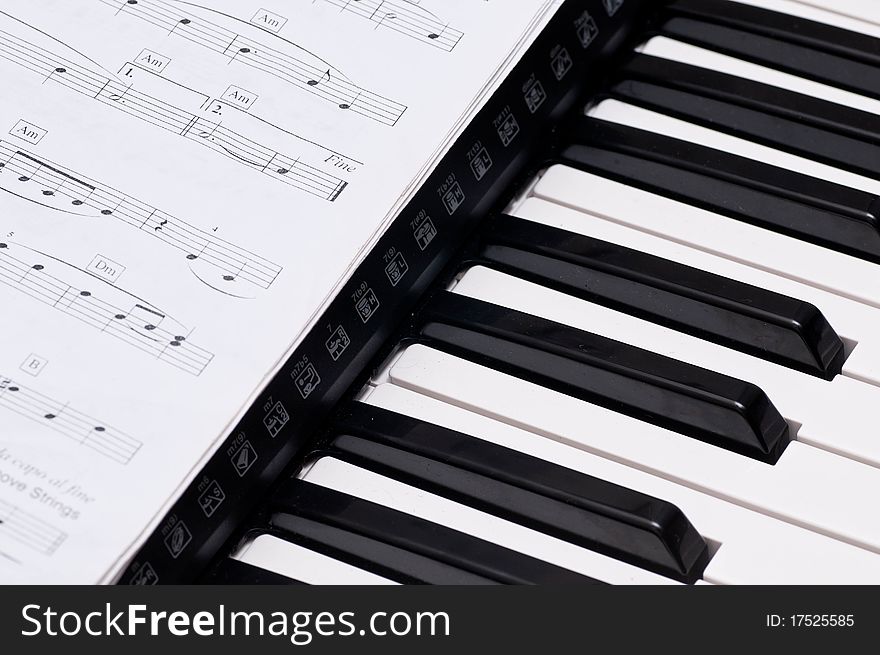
696, 402
753, 320
807, 208
806, 126
809, 49
399, 546
545, 497
234, 572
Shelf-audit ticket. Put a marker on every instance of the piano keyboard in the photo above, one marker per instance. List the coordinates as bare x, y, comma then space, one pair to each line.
659, 365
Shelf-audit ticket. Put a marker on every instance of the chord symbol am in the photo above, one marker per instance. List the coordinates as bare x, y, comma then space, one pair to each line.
241, 98
152, 61
269, 21
28, 132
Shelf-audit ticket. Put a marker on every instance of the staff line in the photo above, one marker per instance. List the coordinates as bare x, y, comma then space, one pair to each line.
63, 419
166, 116
97, 313
176, 233
249, 51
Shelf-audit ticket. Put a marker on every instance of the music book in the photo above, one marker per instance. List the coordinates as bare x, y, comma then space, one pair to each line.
186, 185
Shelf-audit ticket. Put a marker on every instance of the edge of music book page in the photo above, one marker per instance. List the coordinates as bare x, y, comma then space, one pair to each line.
540, 21
187, 188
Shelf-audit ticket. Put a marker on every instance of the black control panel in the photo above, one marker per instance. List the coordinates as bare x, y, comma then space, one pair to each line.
477, 173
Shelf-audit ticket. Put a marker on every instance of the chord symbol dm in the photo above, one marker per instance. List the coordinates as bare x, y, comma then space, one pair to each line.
50, 185
138, 326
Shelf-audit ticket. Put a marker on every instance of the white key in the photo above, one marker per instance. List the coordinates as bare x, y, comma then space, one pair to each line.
667, 48
754, 549
807, 486
616, 111
856, 323
302, 564
834, 415
362, 483
856, 15
648, 212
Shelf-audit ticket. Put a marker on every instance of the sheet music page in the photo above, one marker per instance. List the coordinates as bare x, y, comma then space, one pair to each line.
185, 184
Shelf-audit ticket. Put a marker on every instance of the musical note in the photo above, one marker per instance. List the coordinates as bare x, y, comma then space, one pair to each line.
163, 115
319, 81
138, 326
74, 193
301, 68
24, 528
404, 17
350, 103
63, 419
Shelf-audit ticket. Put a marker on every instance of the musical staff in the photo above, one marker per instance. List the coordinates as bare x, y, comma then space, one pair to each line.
303, 69
405, 17
18, 525
59, 188
137, 325
65, 420
214, 135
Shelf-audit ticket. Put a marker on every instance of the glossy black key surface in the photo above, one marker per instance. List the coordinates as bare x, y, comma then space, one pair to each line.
234, 572
807, 208
548, 498
750, 319
696, 402
398, 546
831, 55
803, 125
